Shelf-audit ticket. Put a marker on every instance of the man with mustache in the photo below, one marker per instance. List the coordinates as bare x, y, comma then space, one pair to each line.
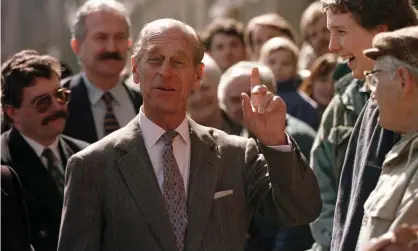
36, 106
102, 102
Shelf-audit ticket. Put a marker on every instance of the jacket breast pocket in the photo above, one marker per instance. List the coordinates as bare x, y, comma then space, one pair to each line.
223, 203
379, 214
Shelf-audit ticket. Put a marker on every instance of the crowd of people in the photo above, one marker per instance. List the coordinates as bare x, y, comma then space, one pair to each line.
236, 137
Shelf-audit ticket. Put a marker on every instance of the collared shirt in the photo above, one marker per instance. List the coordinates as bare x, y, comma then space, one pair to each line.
122, 105
39, 149
181, 146
155, 144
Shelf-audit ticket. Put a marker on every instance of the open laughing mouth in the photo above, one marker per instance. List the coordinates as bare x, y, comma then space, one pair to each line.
348, 59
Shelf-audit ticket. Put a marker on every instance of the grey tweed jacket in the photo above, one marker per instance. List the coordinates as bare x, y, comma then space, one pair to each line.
113, 202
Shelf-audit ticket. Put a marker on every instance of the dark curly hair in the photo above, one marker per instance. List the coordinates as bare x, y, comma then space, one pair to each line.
21, 71
222, 25
369, 14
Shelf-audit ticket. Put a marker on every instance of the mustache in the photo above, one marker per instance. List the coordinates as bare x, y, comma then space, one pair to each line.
58, 115
110, 55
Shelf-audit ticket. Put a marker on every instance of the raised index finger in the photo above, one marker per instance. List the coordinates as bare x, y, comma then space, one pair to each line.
255, 78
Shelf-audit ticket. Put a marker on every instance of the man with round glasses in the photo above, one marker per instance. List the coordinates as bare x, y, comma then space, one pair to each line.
35, 104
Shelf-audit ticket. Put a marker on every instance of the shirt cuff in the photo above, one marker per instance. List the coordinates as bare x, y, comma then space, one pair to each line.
284, 148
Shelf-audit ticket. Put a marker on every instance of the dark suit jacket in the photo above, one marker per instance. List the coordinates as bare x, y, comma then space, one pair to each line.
42, 197
80, 123
14, 217
112, 199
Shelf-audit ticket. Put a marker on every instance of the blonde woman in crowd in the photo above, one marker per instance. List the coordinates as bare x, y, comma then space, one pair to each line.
281, 55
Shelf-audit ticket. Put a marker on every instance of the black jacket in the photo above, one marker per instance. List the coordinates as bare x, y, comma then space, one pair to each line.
14, 216
40, 193
80, 123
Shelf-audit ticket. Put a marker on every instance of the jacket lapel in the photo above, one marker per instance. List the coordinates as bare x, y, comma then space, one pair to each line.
135, 96
140, 177
66, 151
80, 123
204, 164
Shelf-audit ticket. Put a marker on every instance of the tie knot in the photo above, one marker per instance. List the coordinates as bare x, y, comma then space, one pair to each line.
108, 98
48, 154
169, 136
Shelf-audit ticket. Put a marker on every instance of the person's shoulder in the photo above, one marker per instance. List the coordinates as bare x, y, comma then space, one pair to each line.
67, 82
342, 84
102, 148
6, 173
9, 178
4, 146
131, 85
219, 137
298, 127
80, 144
413, 146
308, 100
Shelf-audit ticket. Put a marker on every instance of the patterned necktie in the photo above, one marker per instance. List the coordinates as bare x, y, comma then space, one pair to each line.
173, 191
111, 123
53, 169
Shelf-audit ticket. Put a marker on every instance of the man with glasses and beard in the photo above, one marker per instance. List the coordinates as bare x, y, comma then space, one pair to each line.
36, 106
102, 102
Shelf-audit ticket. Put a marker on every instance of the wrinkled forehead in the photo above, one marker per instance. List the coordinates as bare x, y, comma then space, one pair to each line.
170, 39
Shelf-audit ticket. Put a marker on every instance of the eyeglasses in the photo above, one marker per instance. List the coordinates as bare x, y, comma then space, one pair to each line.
372, 79
44, 102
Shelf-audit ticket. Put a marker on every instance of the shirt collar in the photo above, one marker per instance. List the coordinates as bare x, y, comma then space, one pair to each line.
152, 132
95, 94
39, 149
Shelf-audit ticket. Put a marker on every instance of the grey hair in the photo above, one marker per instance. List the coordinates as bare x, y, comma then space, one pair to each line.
395, 63
165, 24
211, 68
79, 30
241, 69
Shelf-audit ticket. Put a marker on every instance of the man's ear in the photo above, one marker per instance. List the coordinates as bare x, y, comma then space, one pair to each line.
10, 112
75, 46
406, 80
134, 70
199, 76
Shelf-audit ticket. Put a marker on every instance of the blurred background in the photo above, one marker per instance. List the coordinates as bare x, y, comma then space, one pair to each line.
44, 25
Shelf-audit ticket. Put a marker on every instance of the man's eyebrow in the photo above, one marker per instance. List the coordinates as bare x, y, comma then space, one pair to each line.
34, 99
182, 54
336, 26
152, 49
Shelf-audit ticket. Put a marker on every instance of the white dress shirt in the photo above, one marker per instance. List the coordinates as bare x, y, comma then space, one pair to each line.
39, 149
155, 144
122, 105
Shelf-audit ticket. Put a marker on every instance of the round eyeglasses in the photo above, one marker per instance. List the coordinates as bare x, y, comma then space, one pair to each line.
44, 102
